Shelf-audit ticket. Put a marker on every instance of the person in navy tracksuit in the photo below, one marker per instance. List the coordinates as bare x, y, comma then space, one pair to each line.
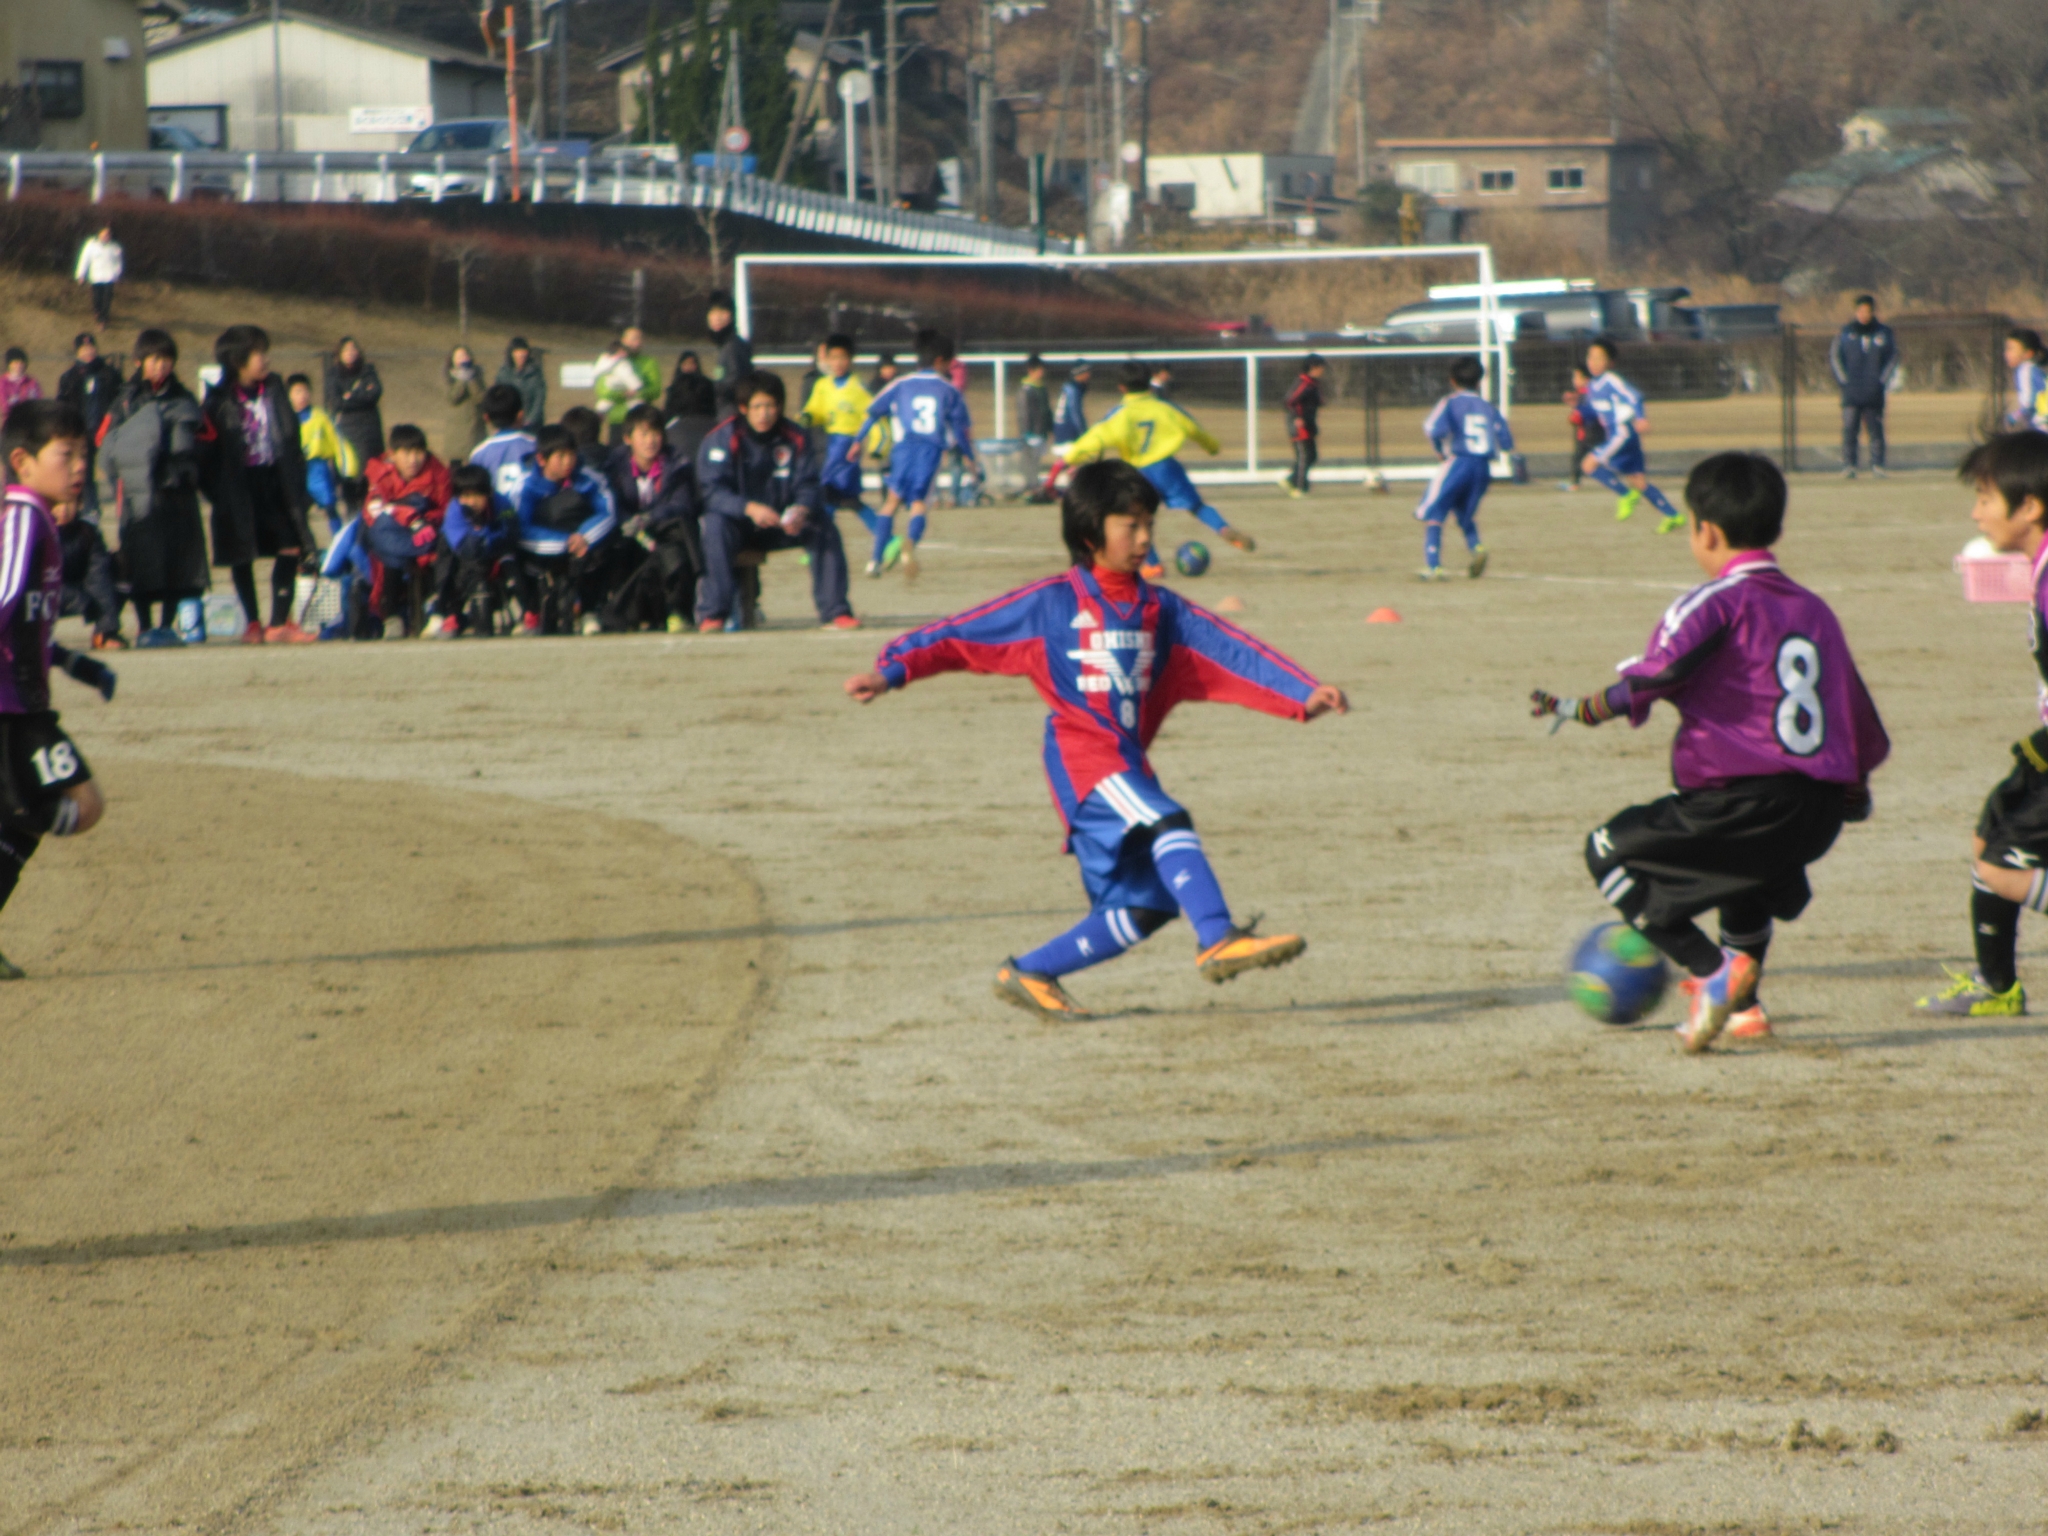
758, 482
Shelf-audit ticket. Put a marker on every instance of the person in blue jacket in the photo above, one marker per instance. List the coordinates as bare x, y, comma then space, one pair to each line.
564, 514
1865, 362
758, 483
476, 535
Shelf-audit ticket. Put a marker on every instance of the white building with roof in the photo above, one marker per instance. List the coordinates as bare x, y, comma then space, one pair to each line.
329, 70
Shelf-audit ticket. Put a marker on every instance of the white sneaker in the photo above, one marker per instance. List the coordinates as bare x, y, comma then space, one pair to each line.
873, 568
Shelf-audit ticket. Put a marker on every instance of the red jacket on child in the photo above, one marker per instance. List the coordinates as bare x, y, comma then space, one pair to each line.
426, 495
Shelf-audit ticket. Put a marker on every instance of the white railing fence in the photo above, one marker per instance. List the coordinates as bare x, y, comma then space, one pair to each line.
618, 178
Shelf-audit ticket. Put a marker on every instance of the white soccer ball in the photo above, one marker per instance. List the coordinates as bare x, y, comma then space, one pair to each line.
1979, 548
1375, 481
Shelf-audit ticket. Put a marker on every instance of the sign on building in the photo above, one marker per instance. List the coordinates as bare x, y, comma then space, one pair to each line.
390, 119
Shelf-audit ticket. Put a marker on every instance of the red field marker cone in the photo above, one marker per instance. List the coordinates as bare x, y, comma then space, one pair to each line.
1383, 616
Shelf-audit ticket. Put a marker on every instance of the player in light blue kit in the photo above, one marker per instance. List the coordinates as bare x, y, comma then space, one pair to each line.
928, 414
1618, 462
1466, 432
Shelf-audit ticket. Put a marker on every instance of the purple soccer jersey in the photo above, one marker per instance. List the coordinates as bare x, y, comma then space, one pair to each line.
2037, 626
31, 588
1763, 682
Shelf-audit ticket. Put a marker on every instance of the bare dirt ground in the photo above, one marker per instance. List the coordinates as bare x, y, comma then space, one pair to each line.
570, 1228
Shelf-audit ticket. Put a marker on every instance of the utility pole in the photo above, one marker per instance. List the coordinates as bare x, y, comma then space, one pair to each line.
562, 69
277, 78
984, 82
1613, 84
540, 69
891, 53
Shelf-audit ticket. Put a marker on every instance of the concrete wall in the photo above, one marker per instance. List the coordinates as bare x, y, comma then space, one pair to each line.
80, 31
325, 74
1236, 186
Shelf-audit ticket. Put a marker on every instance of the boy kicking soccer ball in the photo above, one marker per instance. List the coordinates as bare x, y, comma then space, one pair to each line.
2010, 476
1777, 739
1111, 654
45, 787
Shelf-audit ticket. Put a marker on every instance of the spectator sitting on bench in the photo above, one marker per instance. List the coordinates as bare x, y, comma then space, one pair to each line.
565, 521
757, 476
409, 494
476, 541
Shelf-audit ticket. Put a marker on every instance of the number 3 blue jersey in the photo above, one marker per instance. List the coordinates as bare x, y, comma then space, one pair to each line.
1464, 424
927, 411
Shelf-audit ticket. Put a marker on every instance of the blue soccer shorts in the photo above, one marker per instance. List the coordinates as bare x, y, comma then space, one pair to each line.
913, 466
1628, 458
1111, 839
1455, 490
1171, 481
841, 475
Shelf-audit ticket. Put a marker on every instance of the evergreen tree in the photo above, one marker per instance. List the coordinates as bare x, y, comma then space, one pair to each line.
684, 89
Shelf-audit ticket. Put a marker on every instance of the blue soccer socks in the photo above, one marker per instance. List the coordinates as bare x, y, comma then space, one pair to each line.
885, 530
1610, 479
1660, 502
1209, 516
1100, 936
868, 520
917, 528
1177, 855
1432, 545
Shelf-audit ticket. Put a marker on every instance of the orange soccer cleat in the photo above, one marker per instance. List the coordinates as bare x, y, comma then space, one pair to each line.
1243, 950
1042, 995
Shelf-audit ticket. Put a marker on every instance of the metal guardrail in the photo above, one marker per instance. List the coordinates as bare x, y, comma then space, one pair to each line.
618, 178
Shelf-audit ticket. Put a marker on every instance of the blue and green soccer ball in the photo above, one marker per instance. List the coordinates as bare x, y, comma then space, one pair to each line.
1617, 975
1191, 559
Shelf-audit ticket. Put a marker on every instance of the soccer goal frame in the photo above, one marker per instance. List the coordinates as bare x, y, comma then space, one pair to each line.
1493, 348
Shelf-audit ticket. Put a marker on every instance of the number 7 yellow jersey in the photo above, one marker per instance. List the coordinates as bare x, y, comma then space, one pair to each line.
1141, 431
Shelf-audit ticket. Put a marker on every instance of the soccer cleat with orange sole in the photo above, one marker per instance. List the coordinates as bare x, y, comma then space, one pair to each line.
1750, 1023
1715, 999
1243, 541
1042, 995
1243, 950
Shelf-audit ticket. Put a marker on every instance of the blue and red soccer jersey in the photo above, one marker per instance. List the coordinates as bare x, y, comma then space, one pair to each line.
31, 586
1763, 682
1109, 671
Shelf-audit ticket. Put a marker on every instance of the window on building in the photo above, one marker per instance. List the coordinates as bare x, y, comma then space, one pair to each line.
1432, 176
1178, 194
1496, 181
1567, 178
59, 86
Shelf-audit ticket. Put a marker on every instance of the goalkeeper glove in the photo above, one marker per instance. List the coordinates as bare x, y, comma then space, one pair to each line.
1591, 710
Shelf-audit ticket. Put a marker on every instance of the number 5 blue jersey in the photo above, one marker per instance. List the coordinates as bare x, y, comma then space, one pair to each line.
926, 409
1463, 423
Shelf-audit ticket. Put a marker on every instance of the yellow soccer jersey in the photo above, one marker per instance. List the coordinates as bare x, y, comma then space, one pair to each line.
838, 405
1141, 431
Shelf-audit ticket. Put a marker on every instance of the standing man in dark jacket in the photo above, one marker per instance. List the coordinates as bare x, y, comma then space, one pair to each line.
655, 488
1865, 360
88, 386
255, 476
735, 357
523, 371
757, 476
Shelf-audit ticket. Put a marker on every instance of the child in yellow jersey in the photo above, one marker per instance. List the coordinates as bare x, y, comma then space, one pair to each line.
1146, 432
329, 457
838, 405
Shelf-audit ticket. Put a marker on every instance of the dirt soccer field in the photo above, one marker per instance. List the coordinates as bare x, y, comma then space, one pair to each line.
553, 1086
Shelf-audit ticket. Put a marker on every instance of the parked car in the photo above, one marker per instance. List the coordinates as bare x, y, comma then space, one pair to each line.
464, 136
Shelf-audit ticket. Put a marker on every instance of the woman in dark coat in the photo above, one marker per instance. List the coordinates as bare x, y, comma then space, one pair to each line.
353, 390
256, 480
690, 407
149, 452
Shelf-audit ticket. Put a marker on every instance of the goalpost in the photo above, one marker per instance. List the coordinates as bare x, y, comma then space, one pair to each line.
1493, 345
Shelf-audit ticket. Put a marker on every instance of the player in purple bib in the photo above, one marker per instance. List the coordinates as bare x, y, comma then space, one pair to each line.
1776, 742
2010, 869
45, 787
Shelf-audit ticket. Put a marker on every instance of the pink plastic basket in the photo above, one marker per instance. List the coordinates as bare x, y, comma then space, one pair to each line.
1996, 578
